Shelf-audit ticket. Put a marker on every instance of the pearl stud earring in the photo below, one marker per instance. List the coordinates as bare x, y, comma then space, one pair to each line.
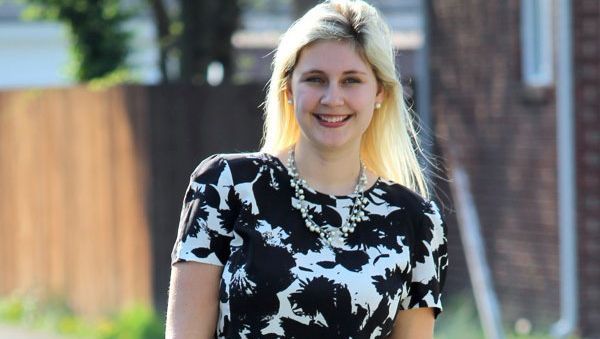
377, 105
290, 101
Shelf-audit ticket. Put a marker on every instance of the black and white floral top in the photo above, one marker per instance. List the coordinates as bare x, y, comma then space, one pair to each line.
280, 280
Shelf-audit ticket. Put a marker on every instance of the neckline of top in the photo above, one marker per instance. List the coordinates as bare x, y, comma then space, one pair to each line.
282, 168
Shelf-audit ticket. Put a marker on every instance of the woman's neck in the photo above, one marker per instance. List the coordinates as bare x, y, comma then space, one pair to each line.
329, 171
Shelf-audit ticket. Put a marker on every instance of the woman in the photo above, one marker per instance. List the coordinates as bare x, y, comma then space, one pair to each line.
321, 234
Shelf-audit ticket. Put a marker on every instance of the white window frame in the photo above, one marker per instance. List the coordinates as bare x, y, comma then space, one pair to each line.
537, 54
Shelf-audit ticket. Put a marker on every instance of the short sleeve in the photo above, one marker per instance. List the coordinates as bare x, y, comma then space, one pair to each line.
207, 217
429, 259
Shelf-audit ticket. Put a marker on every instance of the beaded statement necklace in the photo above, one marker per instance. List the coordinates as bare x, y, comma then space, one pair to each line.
357, 213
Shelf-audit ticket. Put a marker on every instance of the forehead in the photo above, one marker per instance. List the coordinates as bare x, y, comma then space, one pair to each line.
331, 57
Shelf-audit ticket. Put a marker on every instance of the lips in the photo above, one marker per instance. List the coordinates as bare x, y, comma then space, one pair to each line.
333, 118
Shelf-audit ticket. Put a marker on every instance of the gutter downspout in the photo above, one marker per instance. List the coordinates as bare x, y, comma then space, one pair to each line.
424, 83
567, 324
486, 300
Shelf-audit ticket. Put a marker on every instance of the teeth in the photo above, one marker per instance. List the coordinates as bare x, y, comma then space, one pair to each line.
332, 119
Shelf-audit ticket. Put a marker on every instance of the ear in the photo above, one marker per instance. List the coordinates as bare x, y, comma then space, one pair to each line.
288, 91
380, 93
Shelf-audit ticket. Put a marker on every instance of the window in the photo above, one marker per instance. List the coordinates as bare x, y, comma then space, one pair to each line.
536, 42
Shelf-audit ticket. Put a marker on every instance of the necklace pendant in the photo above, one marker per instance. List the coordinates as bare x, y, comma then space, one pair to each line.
333, 238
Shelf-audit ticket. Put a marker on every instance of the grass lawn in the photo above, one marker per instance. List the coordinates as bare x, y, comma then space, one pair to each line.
459, 320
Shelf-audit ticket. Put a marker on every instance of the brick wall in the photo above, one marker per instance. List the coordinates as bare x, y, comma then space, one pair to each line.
586, 47
503, 133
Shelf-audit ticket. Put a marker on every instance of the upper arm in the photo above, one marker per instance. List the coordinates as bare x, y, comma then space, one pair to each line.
193, 300
200, 251
207, 215
429, 261
415, 323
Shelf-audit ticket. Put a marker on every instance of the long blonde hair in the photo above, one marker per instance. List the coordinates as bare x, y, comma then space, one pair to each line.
390, 144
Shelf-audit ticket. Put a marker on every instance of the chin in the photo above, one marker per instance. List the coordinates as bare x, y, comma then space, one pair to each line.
334, 143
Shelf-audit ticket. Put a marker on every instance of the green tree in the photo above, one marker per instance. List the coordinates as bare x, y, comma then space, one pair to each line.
98, 41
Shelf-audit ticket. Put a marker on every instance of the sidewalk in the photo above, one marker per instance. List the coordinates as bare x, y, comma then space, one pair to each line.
12, 332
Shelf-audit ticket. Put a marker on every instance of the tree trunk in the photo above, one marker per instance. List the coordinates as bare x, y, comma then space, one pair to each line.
229, 14
162, 22
207, 29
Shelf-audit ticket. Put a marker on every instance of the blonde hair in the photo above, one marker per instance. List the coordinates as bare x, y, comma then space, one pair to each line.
390, 144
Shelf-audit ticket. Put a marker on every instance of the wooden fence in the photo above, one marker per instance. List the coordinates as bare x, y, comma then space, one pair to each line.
91, 184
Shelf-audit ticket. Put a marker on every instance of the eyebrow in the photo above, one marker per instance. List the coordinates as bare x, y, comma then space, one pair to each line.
345, 72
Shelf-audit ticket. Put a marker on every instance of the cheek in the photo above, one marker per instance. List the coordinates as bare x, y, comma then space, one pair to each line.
366, 118
306, 99
363, 98
366, 106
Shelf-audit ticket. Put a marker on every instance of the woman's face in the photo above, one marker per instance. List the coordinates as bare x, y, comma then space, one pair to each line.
334, 94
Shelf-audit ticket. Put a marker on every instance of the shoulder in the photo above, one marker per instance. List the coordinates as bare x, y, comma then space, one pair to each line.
401, 196
428, 223
241, 161
422, 211
217, 166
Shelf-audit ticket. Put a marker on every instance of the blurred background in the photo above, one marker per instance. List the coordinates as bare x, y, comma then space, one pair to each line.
106, 107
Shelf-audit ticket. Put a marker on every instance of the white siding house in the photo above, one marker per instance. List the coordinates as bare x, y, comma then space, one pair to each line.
36, 54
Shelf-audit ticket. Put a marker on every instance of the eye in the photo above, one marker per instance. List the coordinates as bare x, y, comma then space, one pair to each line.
317, 80
352, 80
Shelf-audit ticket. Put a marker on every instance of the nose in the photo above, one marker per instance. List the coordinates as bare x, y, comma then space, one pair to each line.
332, 96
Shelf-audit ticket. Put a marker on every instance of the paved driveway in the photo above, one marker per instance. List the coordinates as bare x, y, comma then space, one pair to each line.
11, 332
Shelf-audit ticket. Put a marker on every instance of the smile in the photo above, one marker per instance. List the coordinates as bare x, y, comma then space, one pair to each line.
332, 118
